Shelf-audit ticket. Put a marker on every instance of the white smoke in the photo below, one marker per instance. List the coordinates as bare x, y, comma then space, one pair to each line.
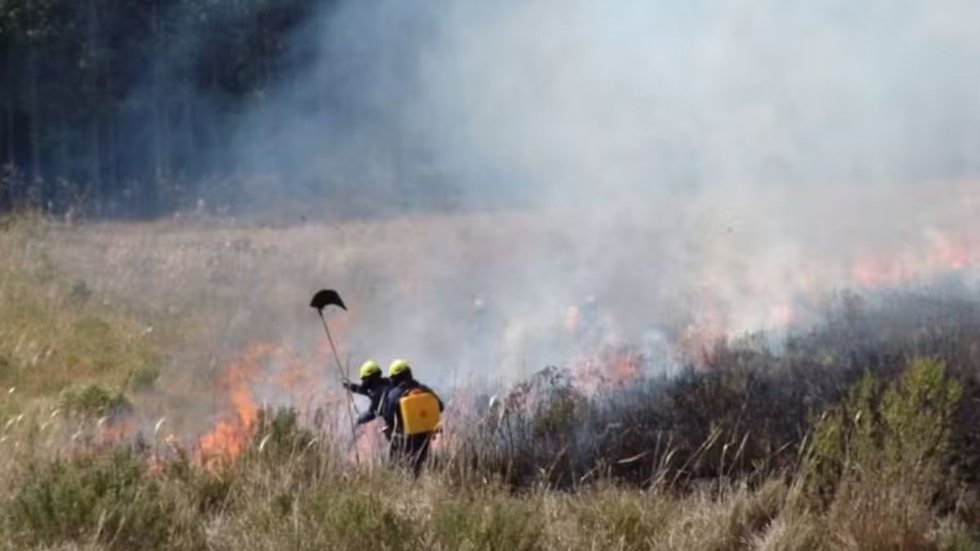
668, 157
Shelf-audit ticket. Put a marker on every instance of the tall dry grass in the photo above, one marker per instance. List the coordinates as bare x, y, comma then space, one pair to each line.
838, 442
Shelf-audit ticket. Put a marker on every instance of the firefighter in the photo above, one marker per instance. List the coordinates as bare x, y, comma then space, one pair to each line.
373, 385
406, 449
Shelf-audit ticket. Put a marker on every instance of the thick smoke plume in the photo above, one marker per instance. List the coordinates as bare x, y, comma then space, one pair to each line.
700, 168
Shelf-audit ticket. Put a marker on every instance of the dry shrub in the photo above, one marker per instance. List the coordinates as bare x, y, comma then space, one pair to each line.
501, 523
325, 516
867, 515
617, 518
951, 534
792, 531
728, 520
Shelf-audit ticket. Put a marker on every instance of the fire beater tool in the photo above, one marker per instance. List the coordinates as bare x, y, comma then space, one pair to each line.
322, 299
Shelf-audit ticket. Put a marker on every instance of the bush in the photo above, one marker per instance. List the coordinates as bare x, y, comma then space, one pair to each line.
917, 413
144, 377
894, 435
495, 523
618, 518
108, 498
93, 401
277, 434
338, 518
352, 521
7, 368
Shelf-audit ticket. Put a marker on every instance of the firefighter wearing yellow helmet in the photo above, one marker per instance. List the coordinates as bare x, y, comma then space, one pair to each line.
373, 385
411, 412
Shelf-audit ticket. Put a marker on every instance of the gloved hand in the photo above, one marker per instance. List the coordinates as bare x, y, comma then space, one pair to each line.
347, 385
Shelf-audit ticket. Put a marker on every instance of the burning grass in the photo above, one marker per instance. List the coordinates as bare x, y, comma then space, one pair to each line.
296, 492
859, 432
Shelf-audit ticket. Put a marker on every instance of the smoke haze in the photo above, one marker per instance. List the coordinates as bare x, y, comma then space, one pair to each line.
545, 101
697, 166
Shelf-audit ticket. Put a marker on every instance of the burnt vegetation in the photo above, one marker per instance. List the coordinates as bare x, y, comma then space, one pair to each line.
748, 413
861, 429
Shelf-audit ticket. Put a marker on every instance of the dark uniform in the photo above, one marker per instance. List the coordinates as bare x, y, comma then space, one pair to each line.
375, 390
405, 449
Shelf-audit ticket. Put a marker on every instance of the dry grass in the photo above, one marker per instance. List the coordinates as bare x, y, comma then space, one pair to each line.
61, 494
56, 332
76, 306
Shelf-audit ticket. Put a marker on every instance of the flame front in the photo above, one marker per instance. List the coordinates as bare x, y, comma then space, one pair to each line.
230, 436
944, 253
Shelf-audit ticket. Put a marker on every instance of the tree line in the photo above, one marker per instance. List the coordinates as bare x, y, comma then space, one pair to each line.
122, 106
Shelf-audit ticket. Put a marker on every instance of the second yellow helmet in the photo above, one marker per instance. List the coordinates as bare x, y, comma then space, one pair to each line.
397, 367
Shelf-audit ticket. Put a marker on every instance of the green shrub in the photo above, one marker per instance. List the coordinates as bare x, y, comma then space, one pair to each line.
108, 498
347, 520
496, 524
93, 400
212, 492
278, 441
558, 417
8, 369
278, 434
899, 434
80, 292
144, 377
622, 519
917, 413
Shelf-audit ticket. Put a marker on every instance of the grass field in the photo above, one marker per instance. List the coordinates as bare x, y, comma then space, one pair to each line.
117, 343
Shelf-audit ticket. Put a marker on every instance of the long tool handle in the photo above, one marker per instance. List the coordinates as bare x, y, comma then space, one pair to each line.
350, 398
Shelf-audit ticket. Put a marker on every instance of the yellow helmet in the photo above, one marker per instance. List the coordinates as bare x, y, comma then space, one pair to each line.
369, 368
397, 367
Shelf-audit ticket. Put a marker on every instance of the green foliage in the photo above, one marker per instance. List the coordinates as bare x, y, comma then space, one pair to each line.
212, 491
144, 377
53, 335
107, 497
917, 413
93, 400
894, 434
632, 521
6, 366
331, 518
880, 452
80, 292
499, 524
560, 415
277, 436
352, 519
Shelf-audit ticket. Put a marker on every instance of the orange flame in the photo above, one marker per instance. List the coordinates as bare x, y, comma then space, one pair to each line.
230, 436
609, 367
945, 253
